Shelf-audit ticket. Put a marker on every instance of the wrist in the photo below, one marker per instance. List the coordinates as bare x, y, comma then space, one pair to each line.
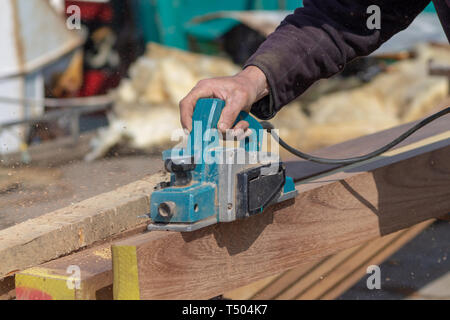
256, 77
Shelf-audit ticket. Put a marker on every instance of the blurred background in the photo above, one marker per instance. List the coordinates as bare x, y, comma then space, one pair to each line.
89, 92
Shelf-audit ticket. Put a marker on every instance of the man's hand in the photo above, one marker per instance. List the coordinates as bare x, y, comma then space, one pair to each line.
239, 92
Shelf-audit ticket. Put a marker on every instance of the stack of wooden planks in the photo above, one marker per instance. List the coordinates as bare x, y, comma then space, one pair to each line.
342, 218
330, 277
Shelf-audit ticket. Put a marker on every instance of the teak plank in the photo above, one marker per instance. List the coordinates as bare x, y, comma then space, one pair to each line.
342, 280
337, 278
268, 288
300, 169
321, 270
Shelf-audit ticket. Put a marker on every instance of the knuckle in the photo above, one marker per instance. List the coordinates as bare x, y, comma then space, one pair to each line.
242, 93
203, 83
230, 114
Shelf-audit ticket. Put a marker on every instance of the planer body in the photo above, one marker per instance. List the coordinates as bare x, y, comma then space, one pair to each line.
210, 183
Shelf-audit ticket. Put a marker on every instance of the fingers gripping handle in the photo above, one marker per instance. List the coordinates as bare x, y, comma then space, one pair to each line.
206, 117
254, 141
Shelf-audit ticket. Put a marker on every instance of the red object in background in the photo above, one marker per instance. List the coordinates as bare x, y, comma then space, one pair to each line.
23, 293
91, 11
94, 83
97, 82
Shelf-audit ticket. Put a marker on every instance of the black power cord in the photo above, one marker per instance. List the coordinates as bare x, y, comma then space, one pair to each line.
269, 127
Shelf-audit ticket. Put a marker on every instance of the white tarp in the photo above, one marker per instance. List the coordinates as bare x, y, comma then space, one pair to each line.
32, 35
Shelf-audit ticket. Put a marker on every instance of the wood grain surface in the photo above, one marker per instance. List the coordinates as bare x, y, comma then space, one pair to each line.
330, 277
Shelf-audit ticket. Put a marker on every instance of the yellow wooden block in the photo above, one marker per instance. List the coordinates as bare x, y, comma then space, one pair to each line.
40, 284
125, 270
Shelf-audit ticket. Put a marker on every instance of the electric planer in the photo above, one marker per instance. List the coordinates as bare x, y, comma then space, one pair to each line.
210, 183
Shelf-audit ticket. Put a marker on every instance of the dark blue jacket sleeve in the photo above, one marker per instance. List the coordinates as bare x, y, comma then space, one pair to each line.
316, 42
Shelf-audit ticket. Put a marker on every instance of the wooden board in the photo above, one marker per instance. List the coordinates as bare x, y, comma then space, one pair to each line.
270, 287
344, 277
339, 210
49, 281
69, 229
75, 277
326, 279
300, 169
7, 291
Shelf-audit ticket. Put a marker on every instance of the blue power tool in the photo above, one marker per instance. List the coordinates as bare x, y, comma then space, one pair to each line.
210, 183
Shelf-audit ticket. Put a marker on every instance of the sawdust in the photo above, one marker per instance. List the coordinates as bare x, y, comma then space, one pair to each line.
81, 237
27, 178
104, 253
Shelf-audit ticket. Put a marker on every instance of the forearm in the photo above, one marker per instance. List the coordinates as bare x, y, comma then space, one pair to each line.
318, 40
